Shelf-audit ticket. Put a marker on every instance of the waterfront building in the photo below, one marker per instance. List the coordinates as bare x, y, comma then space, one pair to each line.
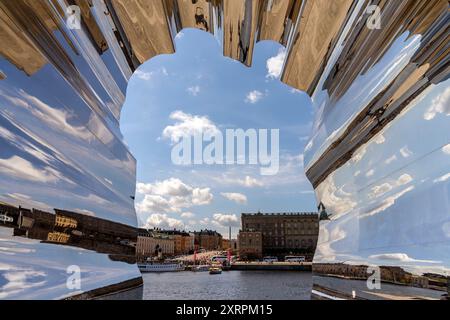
191, 242
225, 244
281, 233
151, 243
208, 240
183, 241
250, 245
229, 244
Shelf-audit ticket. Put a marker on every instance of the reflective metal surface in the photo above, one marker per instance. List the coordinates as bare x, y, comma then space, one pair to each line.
61, 148
379, 156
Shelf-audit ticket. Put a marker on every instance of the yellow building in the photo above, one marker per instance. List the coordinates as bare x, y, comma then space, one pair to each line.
227, 244
183, 241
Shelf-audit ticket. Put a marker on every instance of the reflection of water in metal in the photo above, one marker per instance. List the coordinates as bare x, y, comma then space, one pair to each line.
378, 94
396, 282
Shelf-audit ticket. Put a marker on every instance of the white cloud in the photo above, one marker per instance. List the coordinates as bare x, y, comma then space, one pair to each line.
380, 190
20, 168
446, 229
20, 199
188, 215
17, 279
303, 138
405, 152
309, 145
254, 96
179, 35
236, 197
146, 76
296, 160
370, 173
379, 139
275, 64
251, 182
402, 257
443, 178
171, 195
446, 149
153, 203
172, 187
248, 181
201, 197
441, 104
387, 202
391, 159
56, 119
226, 220
163, 221
194, 91
188, 125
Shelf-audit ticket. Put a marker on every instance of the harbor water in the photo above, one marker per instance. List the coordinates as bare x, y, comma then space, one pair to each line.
230, 285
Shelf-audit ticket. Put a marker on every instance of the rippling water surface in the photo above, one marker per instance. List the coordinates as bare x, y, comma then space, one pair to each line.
246, 285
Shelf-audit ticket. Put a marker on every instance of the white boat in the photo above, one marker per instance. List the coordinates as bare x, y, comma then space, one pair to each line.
201, 268
160, 267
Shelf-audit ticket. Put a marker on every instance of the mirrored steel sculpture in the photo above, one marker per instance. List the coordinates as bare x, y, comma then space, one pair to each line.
379, 155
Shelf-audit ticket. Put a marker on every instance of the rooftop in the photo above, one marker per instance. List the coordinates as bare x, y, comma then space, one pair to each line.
208, 232
281, 214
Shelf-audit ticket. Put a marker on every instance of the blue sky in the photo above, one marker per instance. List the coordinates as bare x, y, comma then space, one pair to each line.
198, 87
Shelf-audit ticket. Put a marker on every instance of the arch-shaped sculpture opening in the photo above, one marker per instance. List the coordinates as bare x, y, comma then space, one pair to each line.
197, 90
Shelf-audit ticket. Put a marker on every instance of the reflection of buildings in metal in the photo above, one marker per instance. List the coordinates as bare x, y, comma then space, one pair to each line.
74, 229
377, 92
64, 228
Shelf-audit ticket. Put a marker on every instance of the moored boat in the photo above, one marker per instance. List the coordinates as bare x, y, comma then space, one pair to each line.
161, 267
201, 268
215, 270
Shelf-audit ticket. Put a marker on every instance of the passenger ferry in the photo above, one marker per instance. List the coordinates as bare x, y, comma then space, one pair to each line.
215, 270
160, 267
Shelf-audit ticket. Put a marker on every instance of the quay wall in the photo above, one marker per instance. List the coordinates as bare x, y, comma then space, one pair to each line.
252, 266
